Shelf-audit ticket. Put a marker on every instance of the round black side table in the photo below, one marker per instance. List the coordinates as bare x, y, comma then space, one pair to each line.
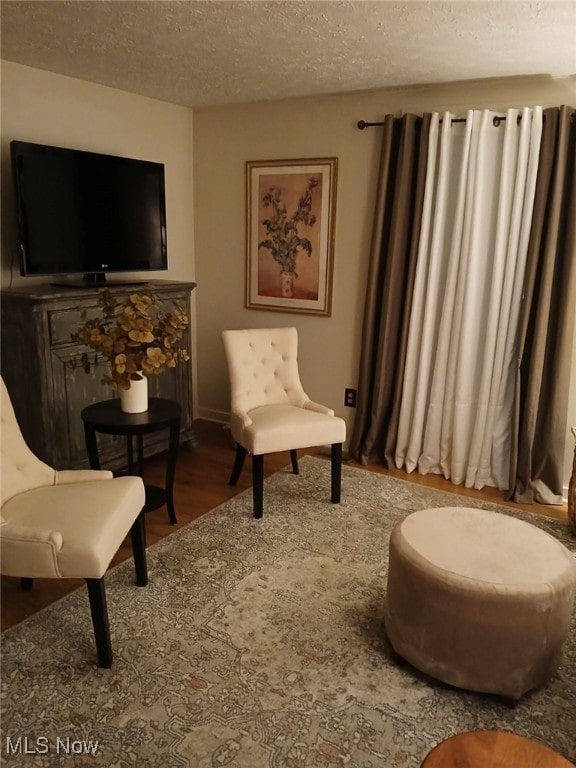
107, 417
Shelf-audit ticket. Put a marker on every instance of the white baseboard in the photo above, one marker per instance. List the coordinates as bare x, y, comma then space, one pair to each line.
208, 414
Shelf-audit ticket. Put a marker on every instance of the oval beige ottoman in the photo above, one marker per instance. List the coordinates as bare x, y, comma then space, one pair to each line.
478, 599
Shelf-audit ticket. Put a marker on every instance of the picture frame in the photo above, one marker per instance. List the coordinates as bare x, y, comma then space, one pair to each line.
290, 212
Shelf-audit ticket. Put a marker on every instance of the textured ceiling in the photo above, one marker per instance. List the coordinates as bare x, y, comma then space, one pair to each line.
219, 52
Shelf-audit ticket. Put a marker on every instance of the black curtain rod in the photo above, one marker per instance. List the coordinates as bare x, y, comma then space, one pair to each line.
362, 124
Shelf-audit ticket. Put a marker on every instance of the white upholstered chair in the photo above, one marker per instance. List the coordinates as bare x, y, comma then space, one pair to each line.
65, 524
270, 411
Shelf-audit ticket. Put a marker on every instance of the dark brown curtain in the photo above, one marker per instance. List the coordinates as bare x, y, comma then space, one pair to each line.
399, 203
547, 319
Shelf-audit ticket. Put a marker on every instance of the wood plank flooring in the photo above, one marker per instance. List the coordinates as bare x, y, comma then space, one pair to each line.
202, 484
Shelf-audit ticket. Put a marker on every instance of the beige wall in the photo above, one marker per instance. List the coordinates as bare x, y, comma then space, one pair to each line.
224, 138
52, 109
62, 111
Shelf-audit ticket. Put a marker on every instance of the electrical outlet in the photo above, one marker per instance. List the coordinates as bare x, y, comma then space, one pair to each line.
350, 398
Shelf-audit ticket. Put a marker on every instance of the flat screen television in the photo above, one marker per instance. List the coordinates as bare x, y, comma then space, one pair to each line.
84, 213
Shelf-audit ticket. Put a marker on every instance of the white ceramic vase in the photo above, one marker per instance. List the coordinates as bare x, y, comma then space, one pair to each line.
135, 399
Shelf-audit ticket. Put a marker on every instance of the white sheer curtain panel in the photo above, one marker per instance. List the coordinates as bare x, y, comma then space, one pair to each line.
456, 409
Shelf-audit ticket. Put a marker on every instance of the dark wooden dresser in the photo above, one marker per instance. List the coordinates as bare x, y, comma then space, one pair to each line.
48, 394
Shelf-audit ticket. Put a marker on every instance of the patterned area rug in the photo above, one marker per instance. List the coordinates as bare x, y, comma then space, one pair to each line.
257, 644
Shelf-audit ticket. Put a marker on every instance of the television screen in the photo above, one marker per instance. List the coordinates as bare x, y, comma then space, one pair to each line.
88, 213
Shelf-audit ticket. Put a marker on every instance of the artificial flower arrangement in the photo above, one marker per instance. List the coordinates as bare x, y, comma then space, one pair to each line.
134, 335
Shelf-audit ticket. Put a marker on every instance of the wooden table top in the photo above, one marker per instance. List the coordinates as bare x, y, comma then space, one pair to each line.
493, 749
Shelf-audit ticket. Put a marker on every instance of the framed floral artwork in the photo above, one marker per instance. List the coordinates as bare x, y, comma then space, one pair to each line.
290, 234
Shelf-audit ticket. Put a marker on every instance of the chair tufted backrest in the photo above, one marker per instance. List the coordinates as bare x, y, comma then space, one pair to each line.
263, 368
21, 470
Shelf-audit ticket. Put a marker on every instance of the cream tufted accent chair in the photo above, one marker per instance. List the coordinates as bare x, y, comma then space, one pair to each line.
270, 411
67, 524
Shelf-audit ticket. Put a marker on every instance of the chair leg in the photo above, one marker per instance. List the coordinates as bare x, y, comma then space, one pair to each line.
238, 464
336, 471
26, 583
258, 485
99, 610
294, 460
138, 536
